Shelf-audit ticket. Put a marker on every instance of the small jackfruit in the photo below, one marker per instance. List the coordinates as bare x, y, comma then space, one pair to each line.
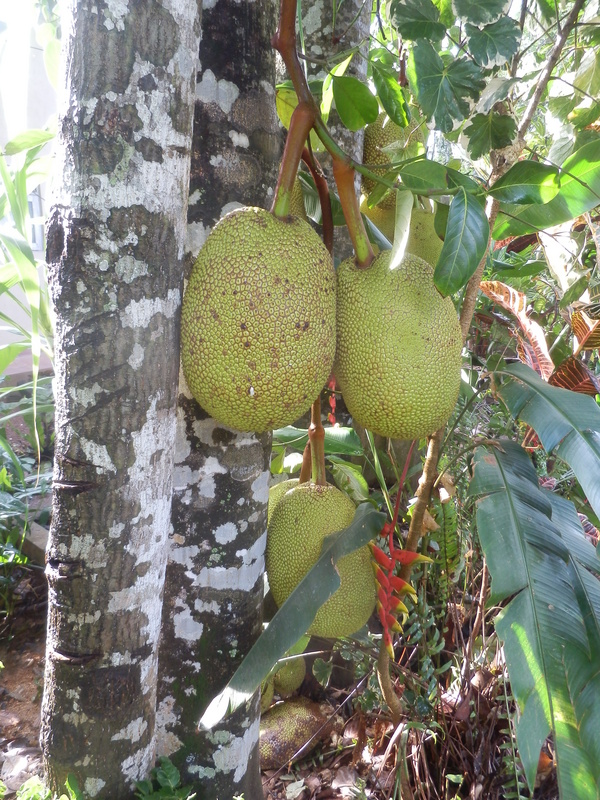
423, 240
382, 135
301, 520
290, 730
399, 347
289, 676
297, 207
258, 320
267, 691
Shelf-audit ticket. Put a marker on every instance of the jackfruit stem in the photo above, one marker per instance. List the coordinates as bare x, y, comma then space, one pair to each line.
300, 126
324, 197
316, 437
343, 174
306, 470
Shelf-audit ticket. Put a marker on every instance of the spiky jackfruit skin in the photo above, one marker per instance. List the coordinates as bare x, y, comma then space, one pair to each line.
301, 520
380, 134
258, 320
423, 240
276, 493
399, 347
297, 207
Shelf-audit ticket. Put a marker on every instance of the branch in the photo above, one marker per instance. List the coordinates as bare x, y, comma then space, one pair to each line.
550, 64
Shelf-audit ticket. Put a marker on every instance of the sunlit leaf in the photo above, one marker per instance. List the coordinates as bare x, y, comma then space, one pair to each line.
579, 192
496, 90
417, 19
27, 140
478, 12
527, 182
295, 616
443, 90
494, 44
390, 94
286, 101
467, 235
338, 440
354, 102
349, 478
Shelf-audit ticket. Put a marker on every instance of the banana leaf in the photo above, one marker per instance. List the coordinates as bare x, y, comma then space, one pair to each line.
547, 573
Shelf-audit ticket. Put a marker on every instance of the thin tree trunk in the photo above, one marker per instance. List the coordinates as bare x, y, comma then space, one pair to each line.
214, 587
115, 243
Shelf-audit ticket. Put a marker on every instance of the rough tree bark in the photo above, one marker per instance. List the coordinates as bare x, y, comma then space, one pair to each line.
115, 245
214, 588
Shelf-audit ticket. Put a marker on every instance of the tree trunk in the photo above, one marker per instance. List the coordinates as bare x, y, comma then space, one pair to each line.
115, 244
214, 587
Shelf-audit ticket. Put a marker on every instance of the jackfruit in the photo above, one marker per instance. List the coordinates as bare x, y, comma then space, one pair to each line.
381, 135
289, 676
423, 240
399, 347
384, 217
277, 491
258, 320
291, 729
297, 207
301, 520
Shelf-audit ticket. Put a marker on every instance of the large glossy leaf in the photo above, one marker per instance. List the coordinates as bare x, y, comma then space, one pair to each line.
494, 44
537, 554
467, 234
295, 616
527, 182
354, 102
338, 441
443, 89
579, 192
417, 19
423, 175
567, 421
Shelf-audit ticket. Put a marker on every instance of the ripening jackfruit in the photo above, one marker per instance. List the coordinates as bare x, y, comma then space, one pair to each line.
384, 133
258, 320
277, 491
423, 240
301, 520
267, 691
399, 347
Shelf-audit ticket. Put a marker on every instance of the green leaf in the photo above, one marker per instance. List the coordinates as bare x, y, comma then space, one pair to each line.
494, 44
423, 175
527, 182
537, 554
479, 12
579, 192
295, 616
488, 132
582, 117
567, 421
417, 19
467, 235
349, 478
338, 441
390, 94
354, 102
443, 89
27, 140
496, 90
